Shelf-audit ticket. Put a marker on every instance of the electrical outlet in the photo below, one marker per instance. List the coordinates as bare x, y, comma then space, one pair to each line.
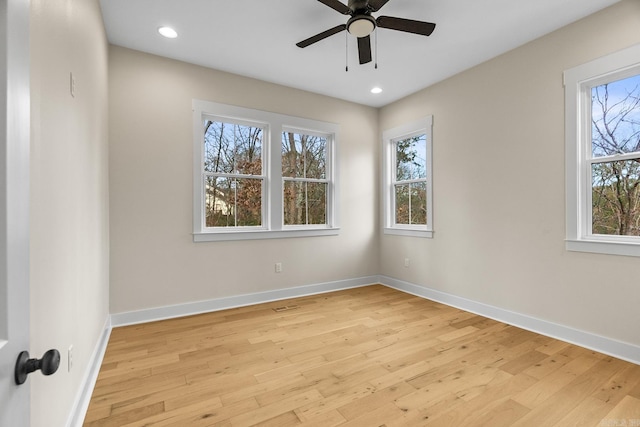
70, 358
278, 267
406, 262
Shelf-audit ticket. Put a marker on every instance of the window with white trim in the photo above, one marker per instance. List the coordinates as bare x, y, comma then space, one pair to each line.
408, 206
262, 175
602, 101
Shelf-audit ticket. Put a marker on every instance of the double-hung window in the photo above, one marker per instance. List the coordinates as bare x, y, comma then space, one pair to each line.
305, 178
602, 101
408, 207
262, 175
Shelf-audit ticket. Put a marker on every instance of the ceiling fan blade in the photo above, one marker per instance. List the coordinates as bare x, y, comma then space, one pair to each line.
321, 36
406, 25
336, 5
376, 5
364, 49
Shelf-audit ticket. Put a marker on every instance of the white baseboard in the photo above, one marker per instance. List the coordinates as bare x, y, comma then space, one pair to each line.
198, 307
619, 349
81, 403
611, 347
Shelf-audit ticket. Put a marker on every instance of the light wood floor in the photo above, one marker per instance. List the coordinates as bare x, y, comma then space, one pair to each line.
364, 357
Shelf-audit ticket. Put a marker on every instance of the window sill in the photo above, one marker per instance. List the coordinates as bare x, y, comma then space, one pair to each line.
604, 247
221, 236
428, 234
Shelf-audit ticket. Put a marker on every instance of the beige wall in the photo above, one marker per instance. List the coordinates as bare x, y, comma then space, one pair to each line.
154, 261
69, 196
499, 187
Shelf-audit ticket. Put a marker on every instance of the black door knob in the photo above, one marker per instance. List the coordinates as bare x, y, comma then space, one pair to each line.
48, 365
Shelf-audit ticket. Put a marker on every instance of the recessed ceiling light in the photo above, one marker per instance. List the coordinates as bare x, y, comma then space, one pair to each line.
376, 90
168, 32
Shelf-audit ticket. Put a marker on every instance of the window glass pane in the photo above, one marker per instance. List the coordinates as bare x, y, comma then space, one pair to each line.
616, 198
233, 202
419, 203
411, 158
231, 148
303, 156
305, 203
411, 203
403, 204
615, 114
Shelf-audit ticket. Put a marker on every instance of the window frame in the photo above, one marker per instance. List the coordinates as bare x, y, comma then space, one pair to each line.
578, 82
272, 200
389, 138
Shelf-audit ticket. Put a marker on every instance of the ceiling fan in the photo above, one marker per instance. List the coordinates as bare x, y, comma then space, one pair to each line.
361, 24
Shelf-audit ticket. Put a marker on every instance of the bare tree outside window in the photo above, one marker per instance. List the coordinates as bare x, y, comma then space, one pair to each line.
615, 164
305, 184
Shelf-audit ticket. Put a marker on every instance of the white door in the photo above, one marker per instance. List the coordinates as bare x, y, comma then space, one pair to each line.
14, 207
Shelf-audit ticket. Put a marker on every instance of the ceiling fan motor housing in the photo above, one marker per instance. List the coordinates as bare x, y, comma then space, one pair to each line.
359, 6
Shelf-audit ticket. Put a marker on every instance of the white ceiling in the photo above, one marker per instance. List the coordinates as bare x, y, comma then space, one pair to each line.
256, 38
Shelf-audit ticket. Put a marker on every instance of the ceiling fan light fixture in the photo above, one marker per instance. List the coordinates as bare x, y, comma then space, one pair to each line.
361, 25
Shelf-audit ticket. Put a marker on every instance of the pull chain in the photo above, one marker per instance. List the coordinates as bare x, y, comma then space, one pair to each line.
346, 50
376, 41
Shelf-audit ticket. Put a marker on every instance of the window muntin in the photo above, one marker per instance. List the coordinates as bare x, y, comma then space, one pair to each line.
233, 174
602, 154
407, 180
304, 172
239, 183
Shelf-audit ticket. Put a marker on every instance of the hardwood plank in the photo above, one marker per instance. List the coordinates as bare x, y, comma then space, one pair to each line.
554, 382
334, 401
547, 366
199, 414
552, 409
278, 408
587, 412
503, 414
327, 419
619, 385
627, 412
128, 416
383, 416
371, 402
523, 362
283, 420
478, 405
